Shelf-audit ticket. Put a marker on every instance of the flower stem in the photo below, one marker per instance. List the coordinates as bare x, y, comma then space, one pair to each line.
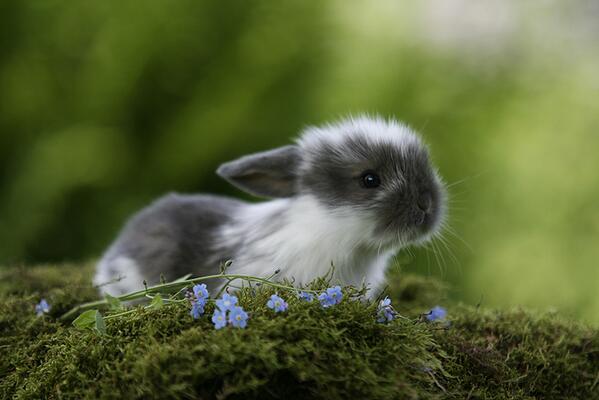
175, 286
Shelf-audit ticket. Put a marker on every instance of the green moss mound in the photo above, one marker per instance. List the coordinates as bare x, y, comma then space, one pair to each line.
305, 353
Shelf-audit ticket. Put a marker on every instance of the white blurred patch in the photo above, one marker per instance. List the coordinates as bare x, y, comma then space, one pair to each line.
486, 25
118, 276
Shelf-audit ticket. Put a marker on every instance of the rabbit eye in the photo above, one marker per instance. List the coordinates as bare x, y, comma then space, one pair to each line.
370, 180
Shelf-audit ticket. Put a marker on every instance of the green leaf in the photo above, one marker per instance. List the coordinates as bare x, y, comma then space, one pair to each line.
113, 302
86, 319
157, 302
100, 325
91, 319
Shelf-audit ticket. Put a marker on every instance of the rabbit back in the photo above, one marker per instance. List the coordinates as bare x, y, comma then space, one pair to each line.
173, 236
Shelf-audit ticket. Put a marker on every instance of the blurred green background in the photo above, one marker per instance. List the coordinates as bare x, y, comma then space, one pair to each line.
105, 105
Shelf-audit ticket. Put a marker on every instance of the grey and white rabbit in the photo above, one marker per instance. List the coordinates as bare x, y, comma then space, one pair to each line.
351, 193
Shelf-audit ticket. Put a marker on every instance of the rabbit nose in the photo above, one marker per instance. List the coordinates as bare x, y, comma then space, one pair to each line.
425, 202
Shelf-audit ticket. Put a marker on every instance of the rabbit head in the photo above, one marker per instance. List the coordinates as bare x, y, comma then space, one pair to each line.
377, 170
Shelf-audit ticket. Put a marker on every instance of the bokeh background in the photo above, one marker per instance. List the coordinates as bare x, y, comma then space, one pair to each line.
106, 105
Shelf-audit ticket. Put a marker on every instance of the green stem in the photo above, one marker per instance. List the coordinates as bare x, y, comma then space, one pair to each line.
112, 316
176, 285
223, 288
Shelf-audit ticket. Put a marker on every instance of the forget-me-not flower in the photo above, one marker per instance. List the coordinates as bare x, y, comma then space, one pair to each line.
276, 303
219, 318
42, 307
437, 313
198, 300
335, 294
200, 291
306, 296
330, 297
238, 317
325, 300
197, 309
227, 302
385, 311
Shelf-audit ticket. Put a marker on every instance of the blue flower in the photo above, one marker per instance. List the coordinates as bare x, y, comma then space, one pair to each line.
276, 303
305, 296
386, 315
335, 294
331, 297
42, 308
385, 311
238, 317
219, 318
325, 300
200, 291
197, 309
437, 313
227, 302
198, 300
386, 302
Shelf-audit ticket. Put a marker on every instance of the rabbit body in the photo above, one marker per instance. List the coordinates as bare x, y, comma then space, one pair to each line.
179, 234
349, 194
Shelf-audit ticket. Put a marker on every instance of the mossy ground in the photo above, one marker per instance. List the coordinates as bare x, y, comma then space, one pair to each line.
307, 352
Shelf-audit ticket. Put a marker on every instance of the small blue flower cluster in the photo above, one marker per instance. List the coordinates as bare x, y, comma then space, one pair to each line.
198, 300
437, 313
227, 310
385, 311
277, 304
306, 296
330, 297
42, 308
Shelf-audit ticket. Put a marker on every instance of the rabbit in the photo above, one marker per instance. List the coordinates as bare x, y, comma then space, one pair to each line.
350, 193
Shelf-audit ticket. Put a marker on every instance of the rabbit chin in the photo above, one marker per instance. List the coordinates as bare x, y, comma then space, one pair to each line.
412, 236
302, 238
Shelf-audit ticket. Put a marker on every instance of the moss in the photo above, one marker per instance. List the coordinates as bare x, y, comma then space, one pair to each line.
305, 353
522, 355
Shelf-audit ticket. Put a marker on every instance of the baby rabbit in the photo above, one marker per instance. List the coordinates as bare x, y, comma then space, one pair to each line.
351, 193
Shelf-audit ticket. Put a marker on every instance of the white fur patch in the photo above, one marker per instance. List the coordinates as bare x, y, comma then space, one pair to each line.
118, 276
375, 129
303, 240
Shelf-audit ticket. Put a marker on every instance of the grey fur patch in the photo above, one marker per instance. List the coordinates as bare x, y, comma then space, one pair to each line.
175, 236
267, 174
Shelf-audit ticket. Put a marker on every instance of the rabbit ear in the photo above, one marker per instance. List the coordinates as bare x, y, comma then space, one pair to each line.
267, 174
